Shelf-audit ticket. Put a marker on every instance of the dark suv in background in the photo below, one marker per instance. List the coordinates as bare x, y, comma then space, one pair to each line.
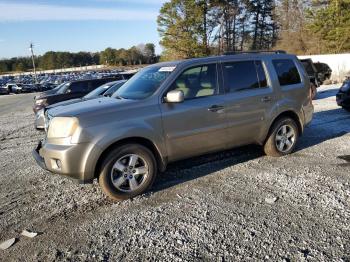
313, 75
70, 90
324, 71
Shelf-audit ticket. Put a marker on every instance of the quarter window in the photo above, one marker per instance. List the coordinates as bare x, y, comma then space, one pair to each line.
197, 81
244, 75
287, 72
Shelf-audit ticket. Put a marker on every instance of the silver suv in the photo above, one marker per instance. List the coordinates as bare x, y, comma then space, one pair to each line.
175, 110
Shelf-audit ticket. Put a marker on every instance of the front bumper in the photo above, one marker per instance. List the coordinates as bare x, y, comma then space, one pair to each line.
39, 160
66, 160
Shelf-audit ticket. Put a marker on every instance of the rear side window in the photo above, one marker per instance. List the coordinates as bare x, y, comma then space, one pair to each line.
287, 72
244, 75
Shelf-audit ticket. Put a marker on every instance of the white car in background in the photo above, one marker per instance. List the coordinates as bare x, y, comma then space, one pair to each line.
14, 88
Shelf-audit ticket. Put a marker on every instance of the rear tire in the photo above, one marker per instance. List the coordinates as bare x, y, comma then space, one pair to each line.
127, 171
282, 137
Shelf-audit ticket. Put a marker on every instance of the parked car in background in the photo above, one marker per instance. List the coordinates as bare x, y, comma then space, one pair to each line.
313, 75
175, 110
324, 71
50, 92
28, 88
343, 95
70, 90
4, 90
14, 88
128, 74
104, 90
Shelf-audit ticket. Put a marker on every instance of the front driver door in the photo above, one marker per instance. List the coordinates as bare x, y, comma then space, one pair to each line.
197, 125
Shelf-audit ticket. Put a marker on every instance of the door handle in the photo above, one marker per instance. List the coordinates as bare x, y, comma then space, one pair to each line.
215, 108
266, 99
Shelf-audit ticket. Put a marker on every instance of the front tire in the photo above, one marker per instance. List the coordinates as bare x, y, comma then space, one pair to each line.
282, 138
127, 171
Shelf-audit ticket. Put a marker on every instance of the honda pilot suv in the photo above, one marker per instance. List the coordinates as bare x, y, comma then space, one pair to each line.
175, 110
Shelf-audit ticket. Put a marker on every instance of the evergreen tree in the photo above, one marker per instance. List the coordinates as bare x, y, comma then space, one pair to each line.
183, 29
332, 25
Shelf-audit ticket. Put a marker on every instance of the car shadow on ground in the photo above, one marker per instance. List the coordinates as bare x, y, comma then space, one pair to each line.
325, 126
193, 168
327, 93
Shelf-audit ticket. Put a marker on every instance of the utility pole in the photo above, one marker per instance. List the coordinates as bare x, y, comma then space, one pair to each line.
31, 46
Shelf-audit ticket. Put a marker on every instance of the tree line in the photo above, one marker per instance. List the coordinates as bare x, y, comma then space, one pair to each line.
193, 28
141, 54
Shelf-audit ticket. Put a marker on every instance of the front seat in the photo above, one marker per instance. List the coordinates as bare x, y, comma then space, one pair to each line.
207, 87
181, 85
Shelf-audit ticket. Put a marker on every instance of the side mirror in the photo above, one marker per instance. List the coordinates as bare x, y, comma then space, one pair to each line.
68, 91
175, 96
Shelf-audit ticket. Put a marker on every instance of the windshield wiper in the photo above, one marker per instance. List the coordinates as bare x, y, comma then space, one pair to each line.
119, 97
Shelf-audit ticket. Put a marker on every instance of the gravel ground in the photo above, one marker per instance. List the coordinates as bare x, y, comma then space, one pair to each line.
233, 205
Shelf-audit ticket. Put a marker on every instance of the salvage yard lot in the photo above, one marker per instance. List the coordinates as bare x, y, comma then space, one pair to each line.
237, 204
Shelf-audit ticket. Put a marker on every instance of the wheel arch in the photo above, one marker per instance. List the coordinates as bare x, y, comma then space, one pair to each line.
291, 114
161, 162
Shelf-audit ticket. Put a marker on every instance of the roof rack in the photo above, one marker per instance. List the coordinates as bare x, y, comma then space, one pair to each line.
255, 52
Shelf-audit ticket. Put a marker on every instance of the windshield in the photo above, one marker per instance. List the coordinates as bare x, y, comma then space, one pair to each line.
143, 84
98, 91
58, 87
63, 88
346, 86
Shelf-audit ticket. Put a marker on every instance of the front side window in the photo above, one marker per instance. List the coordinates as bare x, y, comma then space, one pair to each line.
287, 72
113, 89
197, 81
244, 75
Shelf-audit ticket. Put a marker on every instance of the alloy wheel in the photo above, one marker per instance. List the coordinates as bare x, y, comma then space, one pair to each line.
285, 138
129, 173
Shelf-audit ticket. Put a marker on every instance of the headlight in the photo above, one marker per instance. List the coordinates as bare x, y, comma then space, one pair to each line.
62, 127
40, 113
39, 101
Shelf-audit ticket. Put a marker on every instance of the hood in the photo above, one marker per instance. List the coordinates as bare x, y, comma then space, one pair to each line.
96, 105
45, 94
65, 103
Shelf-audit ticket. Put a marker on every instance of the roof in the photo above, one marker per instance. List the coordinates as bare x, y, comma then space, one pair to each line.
237, 55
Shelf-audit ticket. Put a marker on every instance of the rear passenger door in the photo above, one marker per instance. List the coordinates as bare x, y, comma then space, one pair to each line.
249, 98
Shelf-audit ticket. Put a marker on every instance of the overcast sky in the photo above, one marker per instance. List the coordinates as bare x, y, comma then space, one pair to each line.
76, 25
